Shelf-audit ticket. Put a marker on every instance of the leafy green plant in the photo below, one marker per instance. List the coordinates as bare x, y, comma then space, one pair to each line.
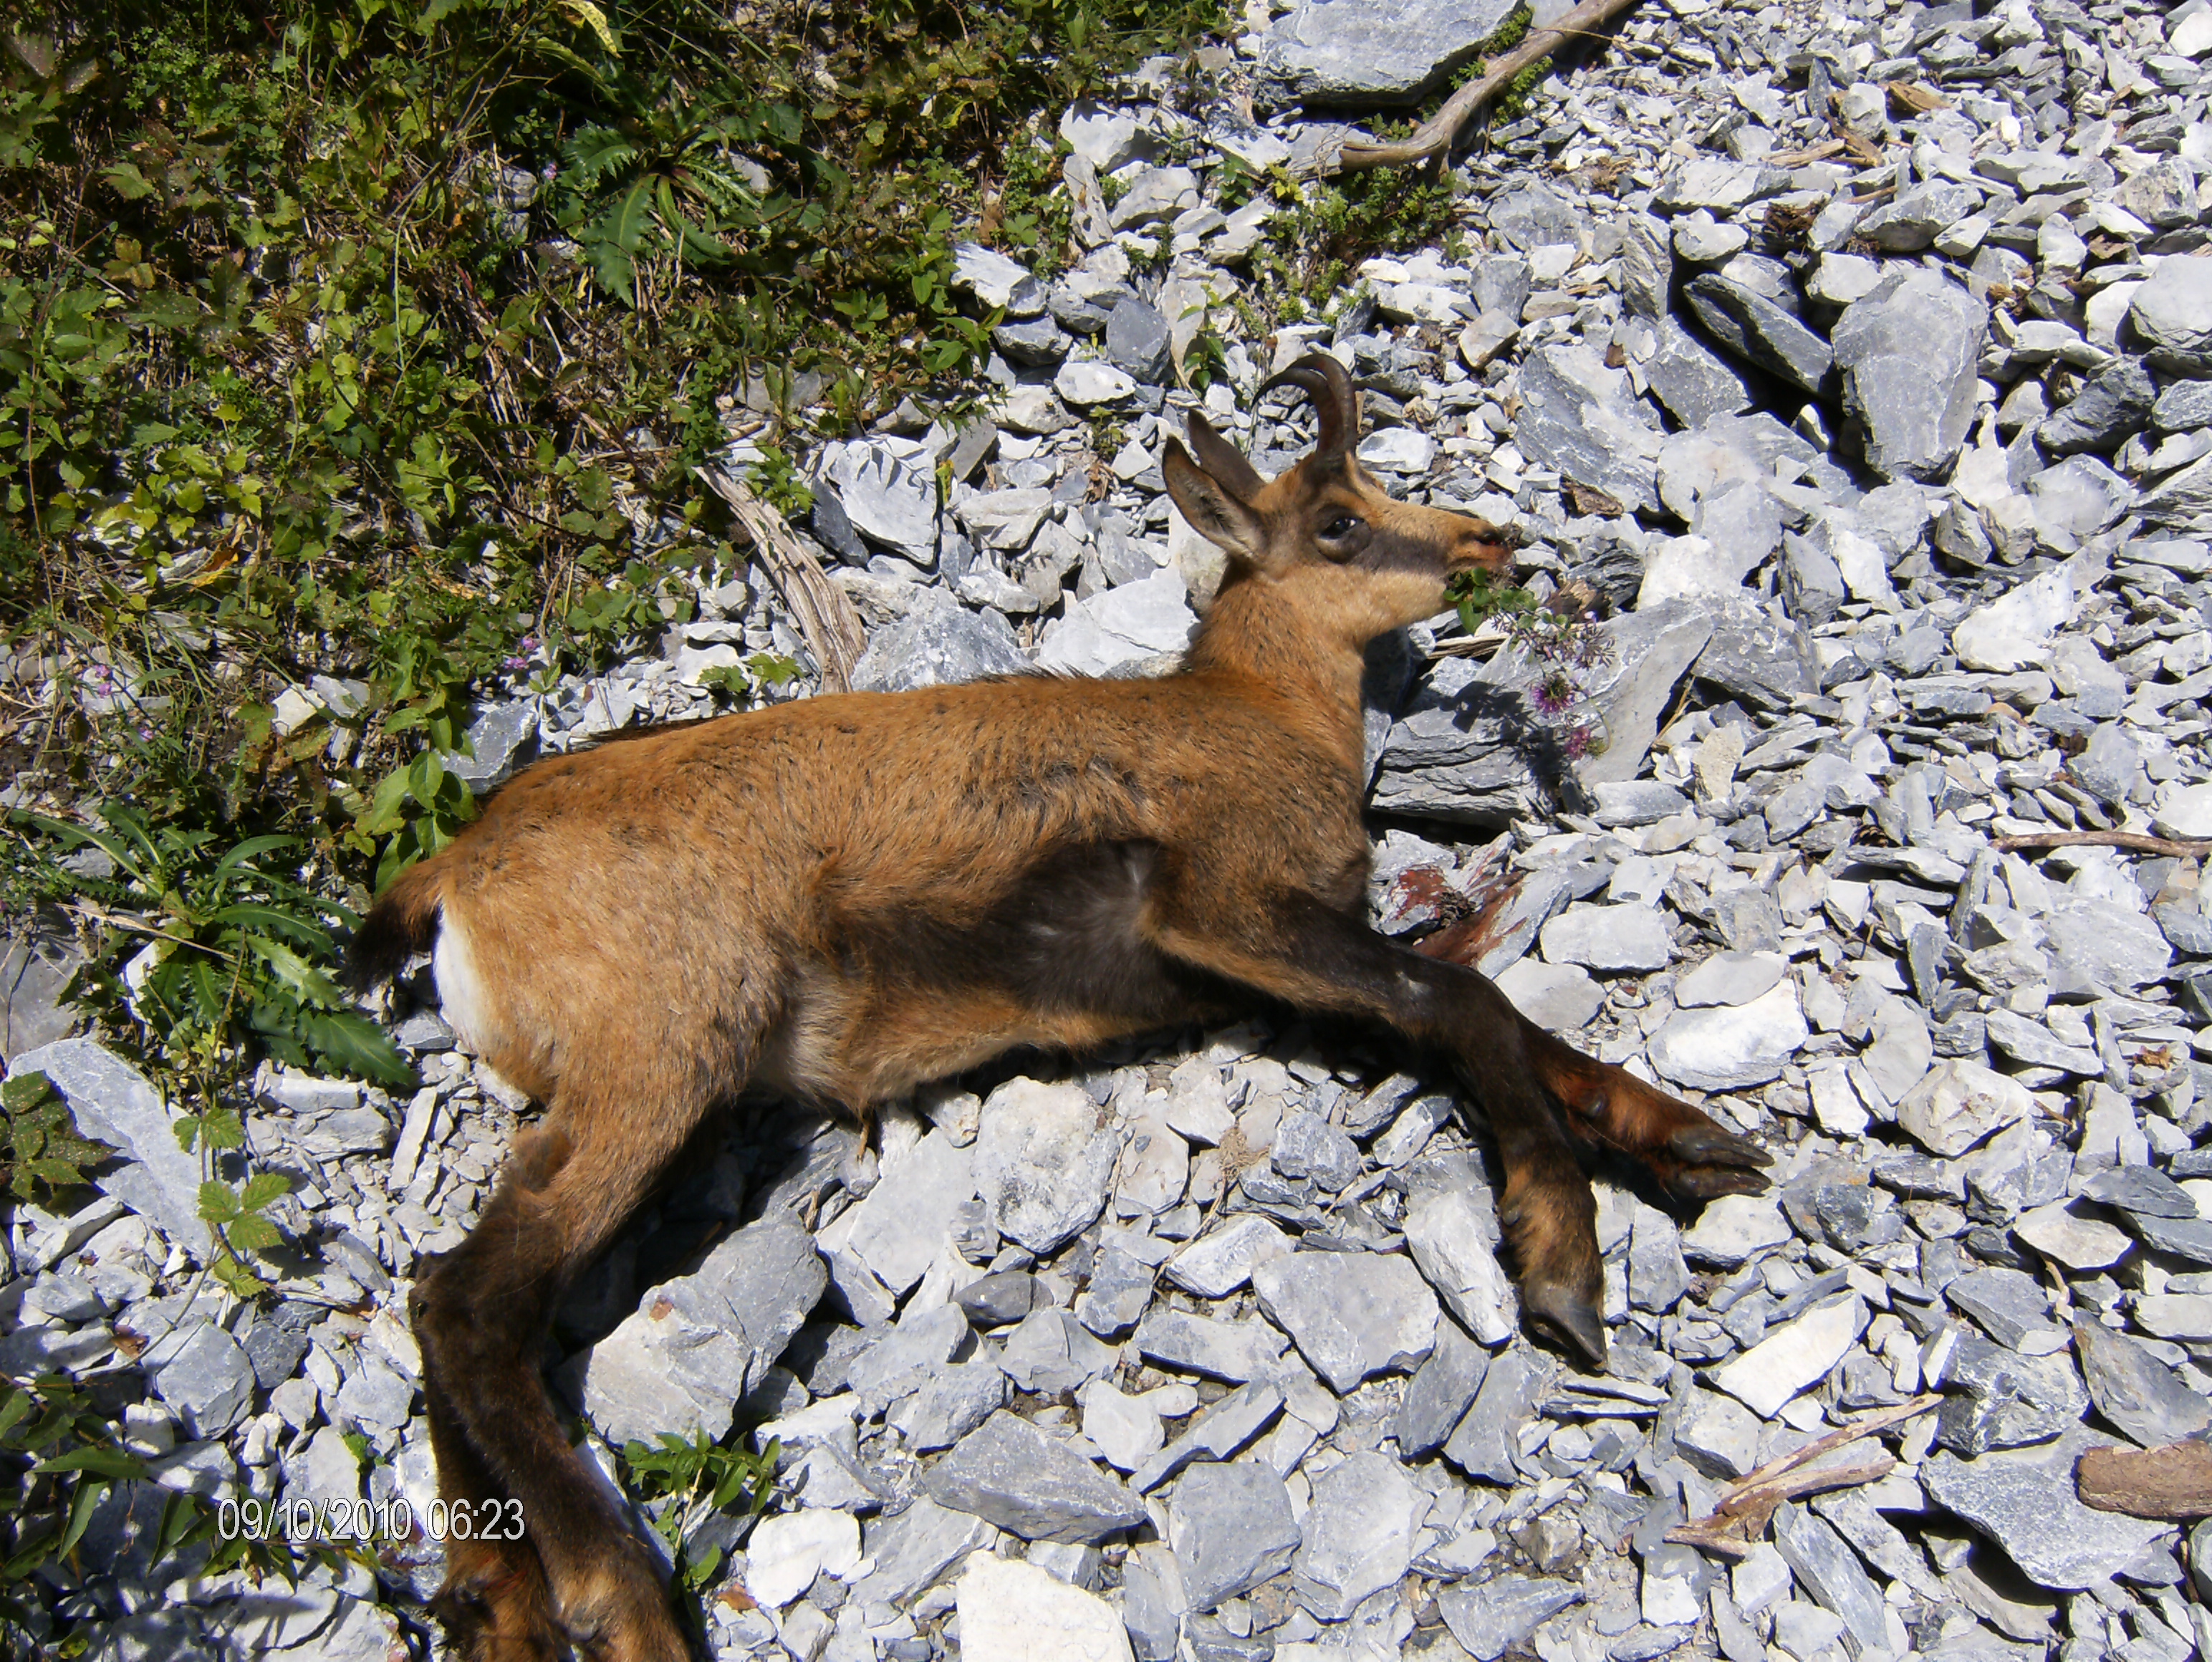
688, 1481
235, 946
1566, 646
40, 1148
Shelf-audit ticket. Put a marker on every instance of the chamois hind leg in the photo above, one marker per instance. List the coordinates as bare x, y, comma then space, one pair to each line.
1300, 950
480, 1314
1692, 1155
495, 1601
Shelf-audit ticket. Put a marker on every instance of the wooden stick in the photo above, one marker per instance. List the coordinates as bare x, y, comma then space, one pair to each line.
1744, 1512
2137, 841
2173, 1482
825, 616
1435, 136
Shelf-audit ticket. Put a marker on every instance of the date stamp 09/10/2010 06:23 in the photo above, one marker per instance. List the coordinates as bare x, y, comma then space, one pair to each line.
309, 1523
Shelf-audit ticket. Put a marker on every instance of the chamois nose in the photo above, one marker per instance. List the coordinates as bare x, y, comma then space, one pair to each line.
1490, 547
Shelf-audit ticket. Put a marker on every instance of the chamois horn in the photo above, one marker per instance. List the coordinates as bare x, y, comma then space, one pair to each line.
1336, 401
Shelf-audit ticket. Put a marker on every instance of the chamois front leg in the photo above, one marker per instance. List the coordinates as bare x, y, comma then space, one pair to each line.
1296, 949
1693, 1157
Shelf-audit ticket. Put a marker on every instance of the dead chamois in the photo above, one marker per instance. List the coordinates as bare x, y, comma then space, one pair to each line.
840, 899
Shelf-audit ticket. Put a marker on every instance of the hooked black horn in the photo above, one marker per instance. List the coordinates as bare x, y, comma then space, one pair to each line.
1336, 401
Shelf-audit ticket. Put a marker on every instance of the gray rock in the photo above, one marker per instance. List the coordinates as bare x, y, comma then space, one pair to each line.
899, 1228
1718, 1435
1909, 352
1307, 1146
912, 1549
2099, 943
2007, 1305
1136, 341
1908, 221
904, 1358
2110, 405
1828, 1569
2183, 407
1583, 419
1345, 52
996, 281
1352, 1315
1763, 660
204, 1374
2139, 1395
1752, 328
697, 1344
1693, 383
1657, 1278
1215, 1265
1153, 1602
2140, 1190
1035, 342
1050, 1352
2024, 1500
1646, 268
1231, 1528
2032, 1043
1357, 1534
1472, 749
1216, 1434
1000, 1300
501, 739
1724, 1049
1609, 938
887, 496
1491, 1618
1042, 1165
1449, 1234
113, 1103
1486, 1440
1437, 1397
2170, 317
1030, 1485
1121, 1289
1235, 1351
1998, 1398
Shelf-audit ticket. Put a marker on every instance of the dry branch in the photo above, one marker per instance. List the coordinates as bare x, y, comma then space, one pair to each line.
1435, 136
2101, 839
2173, 1482
832, 628
1734, 1526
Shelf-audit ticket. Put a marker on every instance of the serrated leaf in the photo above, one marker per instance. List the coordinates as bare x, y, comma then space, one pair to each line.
354, 1045
262, 1188
217, 1203
254, 1234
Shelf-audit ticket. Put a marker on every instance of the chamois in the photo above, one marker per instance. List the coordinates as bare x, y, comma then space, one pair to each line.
838, 899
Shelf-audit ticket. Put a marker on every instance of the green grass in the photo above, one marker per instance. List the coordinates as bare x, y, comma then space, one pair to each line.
381, 339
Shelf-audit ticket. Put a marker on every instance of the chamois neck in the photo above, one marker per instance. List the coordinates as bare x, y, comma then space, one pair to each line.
1258, 629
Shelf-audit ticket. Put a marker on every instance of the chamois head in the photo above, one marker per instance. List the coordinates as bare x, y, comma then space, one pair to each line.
1359, 561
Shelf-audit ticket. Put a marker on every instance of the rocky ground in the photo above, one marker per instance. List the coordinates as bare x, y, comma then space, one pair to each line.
1858, 358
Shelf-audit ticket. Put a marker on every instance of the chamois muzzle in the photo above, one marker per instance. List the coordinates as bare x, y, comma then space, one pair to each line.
1335, 400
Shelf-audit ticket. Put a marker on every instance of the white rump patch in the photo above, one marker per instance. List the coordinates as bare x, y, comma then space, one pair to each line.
461, 987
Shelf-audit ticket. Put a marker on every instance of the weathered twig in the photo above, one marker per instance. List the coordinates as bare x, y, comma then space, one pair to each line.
1435, 136
826, 618
1734, 1526
2101, 839
2173, 1482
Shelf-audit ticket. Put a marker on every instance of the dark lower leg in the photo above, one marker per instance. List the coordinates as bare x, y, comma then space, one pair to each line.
481, 1316
495, 1603
1692, 1154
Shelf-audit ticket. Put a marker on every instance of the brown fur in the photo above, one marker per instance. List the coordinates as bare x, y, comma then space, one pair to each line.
840, 898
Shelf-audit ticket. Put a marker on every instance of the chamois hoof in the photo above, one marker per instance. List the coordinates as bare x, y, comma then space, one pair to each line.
1567, 1315
495, 1616
1713, 1162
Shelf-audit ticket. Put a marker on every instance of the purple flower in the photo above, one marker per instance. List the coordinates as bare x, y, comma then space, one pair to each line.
1554, 694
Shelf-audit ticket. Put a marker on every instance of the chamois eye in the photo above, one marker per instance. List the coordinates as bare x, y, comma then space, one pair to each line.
1339, 527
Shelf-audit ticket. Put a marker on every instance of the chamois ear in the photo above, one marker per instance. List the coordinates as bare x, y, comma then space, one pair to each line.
1223, 460
1214, 511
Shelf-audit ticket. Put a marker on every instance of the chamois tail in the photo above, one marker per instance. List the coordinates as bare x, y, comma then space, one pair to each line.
404, 921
